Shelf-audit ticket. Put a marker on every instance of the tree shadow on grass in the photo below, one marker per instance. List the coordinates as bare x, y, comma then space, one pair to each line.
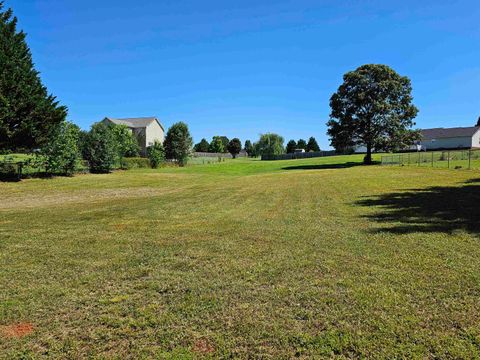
324, 166
432, 209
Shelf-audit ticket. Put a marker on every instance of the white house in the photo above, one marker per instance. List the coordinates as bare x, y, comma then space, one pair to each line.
450, 138
146, 129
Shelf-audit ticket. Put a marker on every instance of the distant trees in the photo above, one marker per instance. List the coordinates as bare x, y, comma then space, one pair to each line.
301, 144
291, 146
373, 107
248, 147
234, 147
29, 116
178, 143
202, 146
270, 144
312, 145
216, 146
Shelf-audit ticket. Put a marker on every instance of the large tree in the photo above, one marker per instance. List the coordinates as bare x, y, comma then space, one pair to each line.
312, 145
216, 146
270, 144
373, 107
178, 143
29, 116
234, 147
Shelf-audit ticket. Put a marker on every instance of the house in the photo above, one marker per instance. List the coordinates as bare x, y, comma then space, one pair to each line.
146, 129
450, 138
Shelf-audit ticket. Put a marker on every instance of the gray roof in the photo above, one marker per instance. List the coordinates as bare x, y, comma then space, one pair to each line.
139, 122
439, 133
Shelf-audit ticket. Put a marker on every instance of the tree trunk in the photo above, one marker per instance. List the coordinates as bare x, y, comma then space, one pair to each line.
368, 158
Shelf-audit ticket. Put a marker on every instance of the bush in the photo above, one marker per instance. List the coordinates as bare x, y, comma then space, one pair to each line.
156, 154
61, 154
100, 148
134, 163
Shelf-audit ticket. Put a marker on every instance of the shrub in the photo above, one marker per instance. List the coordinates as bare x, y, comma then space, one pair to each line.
101, 148
128, 163
156, 154
61, 154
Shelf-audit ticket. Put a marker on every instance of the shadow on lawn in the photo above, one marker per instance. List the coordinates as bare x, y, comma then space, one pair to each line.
324, 166
433, 209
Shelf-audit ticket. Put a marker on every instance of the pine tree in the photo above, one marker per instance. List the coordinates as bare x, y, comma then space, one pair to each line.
312, 145
28, 114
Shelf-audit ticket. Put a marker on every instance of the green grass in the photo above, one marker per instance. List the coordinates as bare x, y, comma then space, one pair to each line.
245, 259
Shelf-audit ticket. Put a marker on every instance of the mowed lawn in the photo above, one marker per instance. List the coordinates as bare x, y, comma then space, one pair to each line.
243, 259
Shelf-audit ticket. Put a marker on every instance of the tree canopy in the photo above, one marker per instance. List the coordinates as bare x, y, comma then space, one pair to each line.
312, 145
178, 143
270, 144
234, 147
301, 144
216, 146
29, 116
478, 122
248, 147
202, 146
291, 146
373, 107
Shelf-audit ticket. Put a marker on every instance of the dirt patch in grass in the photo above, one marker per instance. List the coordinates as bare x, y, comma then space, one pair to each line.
16, 330
203, 346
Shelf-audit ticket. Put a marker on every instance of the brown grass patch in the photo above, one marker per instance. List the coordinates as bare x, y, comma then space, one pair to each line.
16, 330
203, 346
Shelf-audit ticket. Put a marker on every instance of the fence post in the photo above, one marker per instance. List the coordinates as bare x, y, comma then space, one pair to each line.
448, 158
432, 158
469, 158
408, 158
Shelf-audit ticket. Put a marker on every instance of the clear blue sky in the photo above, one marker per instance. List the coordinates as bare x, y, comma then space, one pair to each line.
240, 68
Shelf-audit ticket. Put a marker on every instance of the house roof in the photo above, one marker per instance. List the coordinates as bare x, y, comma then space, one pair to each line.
439, 133
139, 122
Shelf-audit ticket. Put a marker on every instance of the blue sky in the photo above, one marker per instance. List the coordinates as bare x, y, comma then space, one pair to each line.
241, 68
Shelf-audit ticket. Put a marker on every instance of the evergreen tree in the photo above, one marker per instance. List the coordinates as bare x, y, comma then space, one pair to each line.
312, 145
248, 147
202, 146
301, 144
478, 121
291, 146
29, 116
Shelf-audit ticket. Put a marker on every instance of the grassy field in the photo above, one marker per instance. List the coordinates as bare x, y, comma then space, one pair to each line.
245, 259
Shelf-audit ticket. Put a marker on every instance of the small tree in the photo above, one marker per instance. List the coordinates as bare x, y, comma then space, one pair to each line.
202, 146
270, 144
373, 107
216, 146
127, 143
291, 146
301, 144
248, 147
61, 154
234, 147
29, 116
312, 145
156, 154
101, 148
178, 143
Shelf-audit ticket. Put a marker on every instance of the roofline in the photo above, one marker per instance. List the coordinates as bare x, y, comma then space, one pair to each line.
156, 119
